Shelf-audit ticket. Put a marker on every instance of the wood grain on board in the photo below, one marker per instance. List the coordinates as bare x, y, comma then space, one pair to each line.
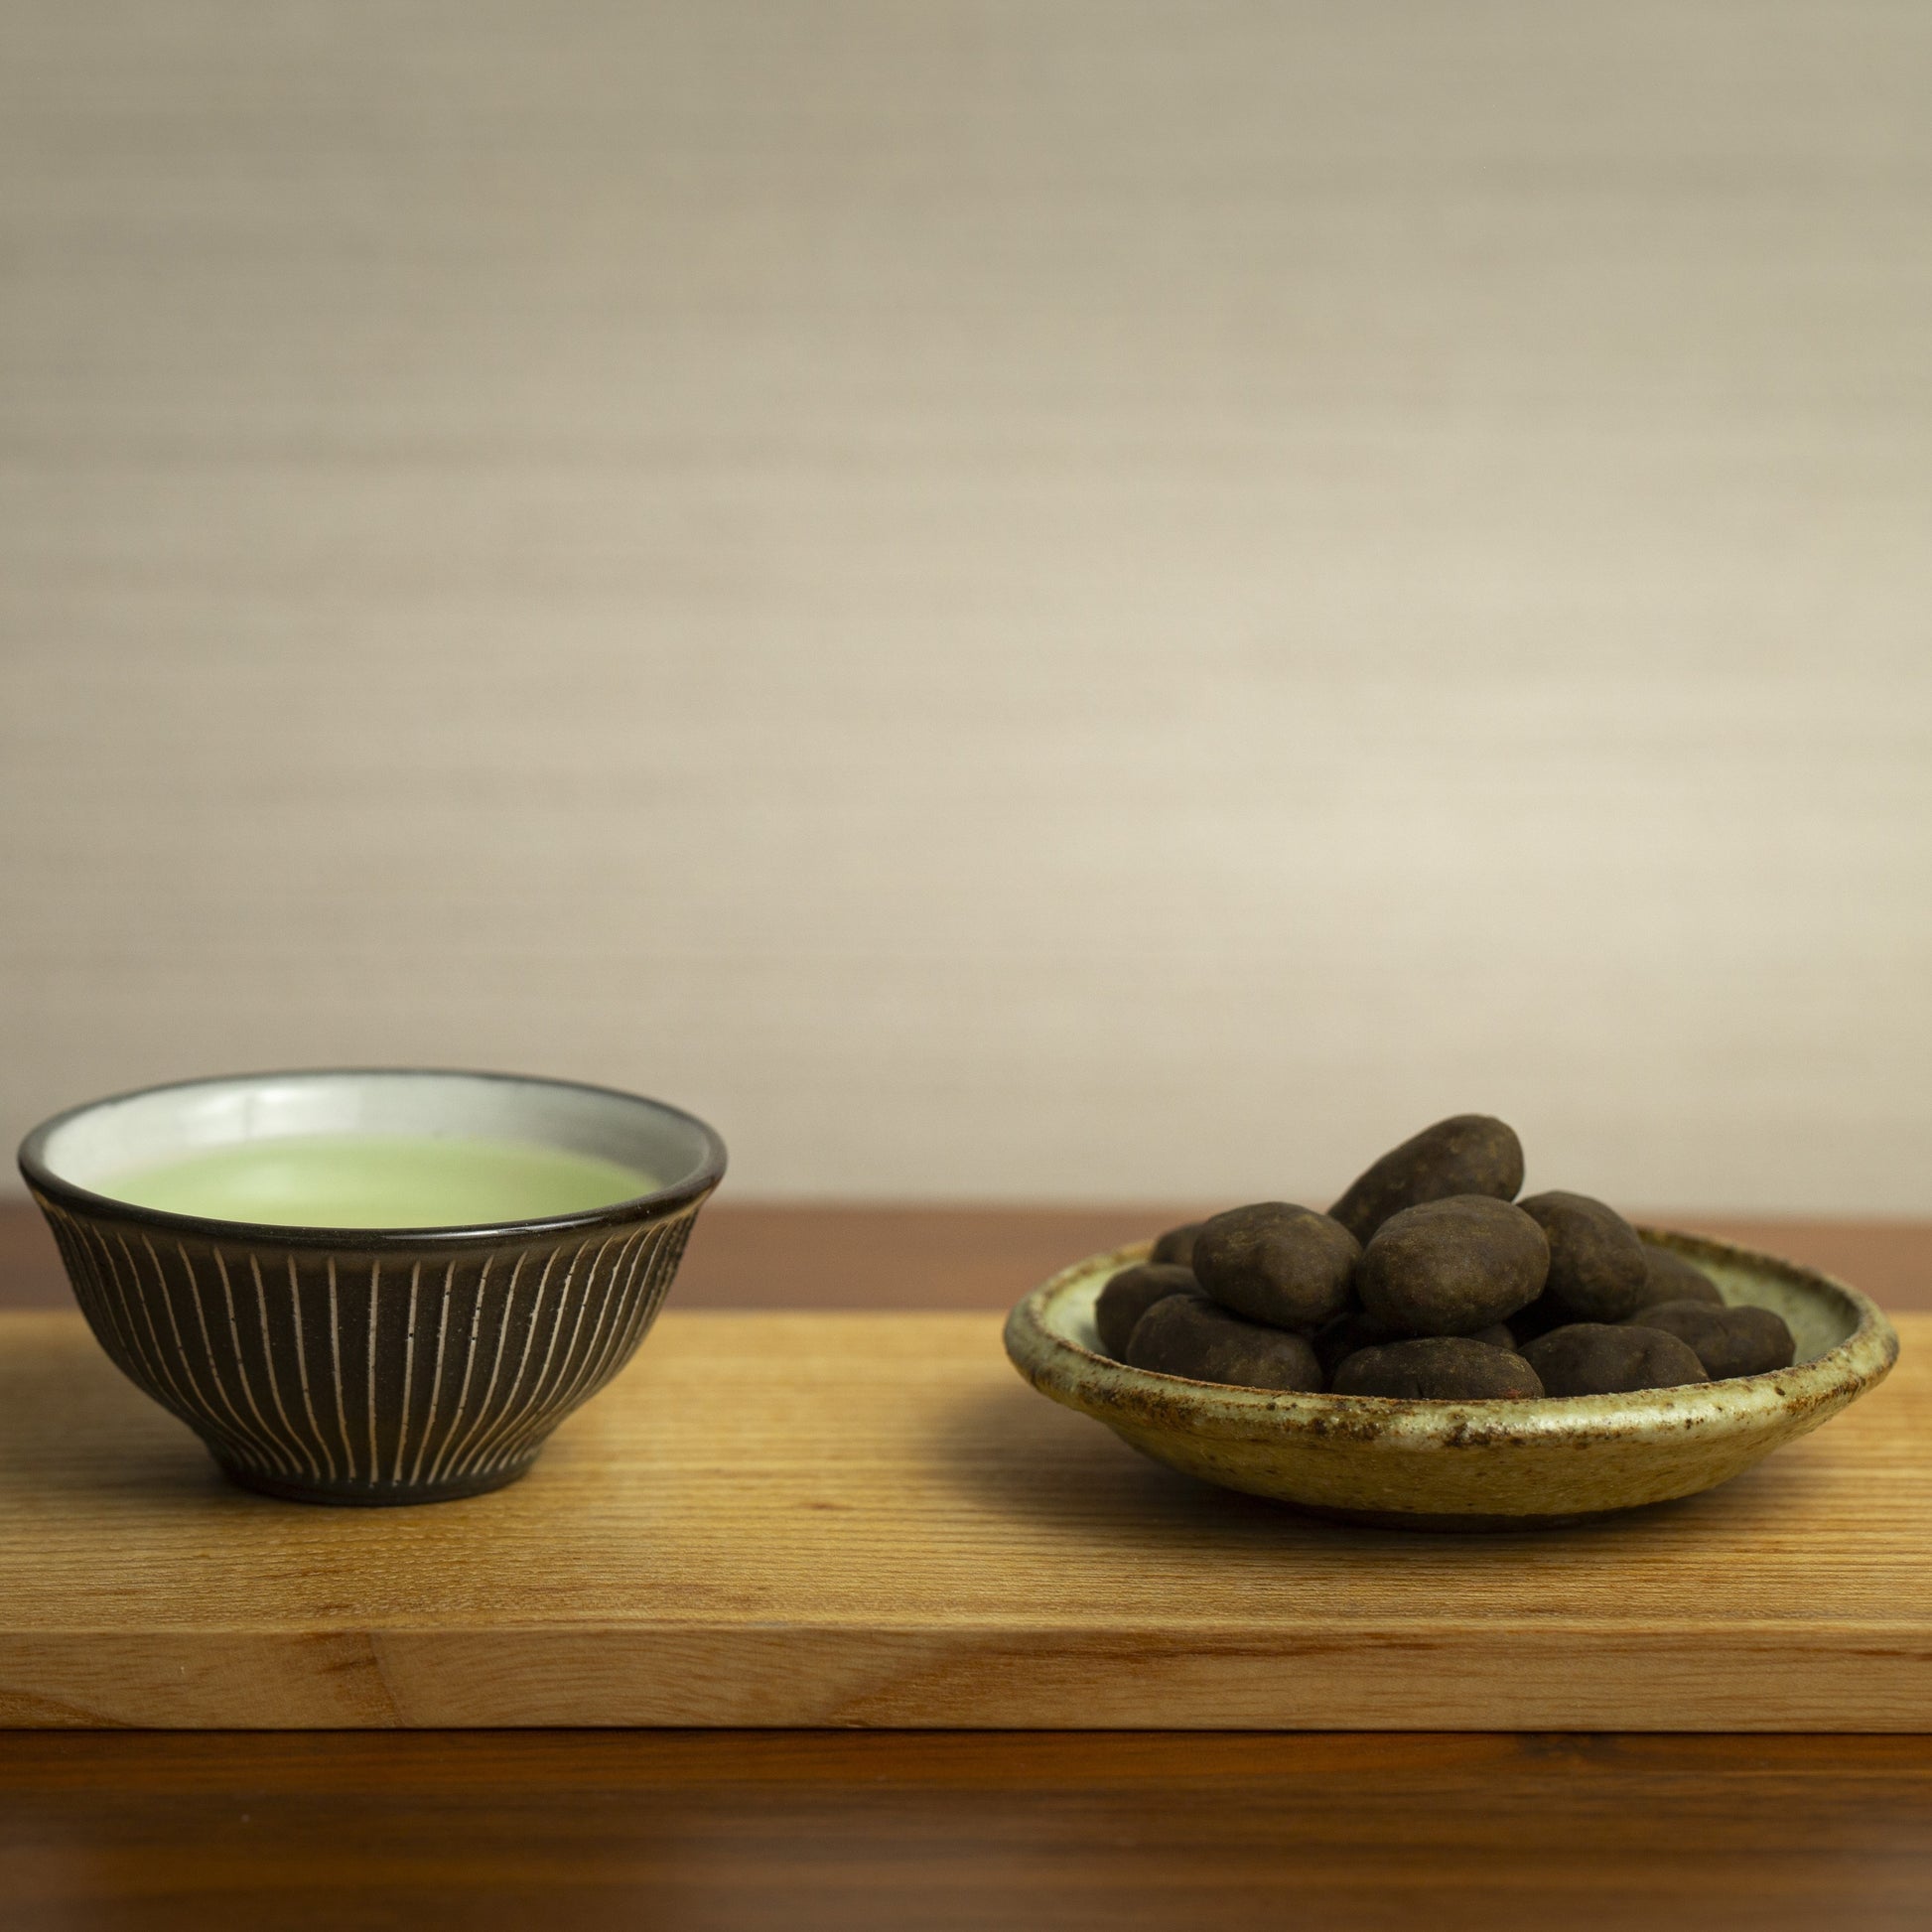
777, 1519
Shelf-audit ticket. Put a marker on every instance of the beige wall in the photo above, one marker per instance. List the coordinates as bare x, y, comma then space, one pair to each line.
1086, 599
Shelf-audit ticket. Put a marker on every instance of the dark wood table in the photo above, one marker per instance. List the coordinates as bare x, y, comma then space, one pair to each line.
802, 1830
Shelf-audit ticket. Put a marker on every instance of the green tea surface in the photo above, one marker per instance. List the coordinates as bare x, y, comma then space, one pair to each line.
379, 1180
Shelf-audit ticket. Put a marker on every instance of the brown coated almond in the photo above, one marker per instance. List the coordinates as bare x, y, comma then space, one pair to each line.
1128, 1296
1467, 1153
1596, 1358
1278, 1262
1672, 1277
1437, 1368
1451, 1267
1598, 1268
1728, 1341
1187, 1334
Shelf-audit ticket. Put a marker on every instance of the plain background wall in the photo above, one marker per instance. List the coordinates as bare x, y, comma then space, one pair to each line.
1071, 600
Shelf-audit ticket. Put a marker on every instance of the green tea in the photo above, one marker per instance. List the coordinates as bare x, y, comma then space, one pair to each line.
379, 1180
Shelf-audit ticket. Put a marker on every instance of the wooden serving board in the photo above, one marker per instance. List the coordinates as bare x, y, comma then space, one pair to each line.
868, 1519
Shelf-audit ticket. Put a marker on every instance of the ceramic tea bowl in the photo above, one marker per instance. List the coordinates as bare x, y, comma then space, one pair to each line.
1473, 1465
370, 1365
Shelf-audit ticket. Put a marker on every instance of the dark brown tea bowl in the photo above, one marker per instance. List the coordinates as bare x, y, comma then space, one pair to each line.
371, 1365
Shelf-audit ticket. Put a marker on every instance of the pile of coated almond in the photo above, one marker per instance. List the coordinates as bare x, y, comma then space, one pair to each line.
1429, 1280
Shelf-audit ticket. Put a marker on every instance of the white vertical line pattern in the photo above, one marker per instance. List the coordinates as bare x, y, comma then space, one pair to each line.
455, 1447
241, 1364
336, 1362
652, 1280
657, 1281
181, 1401
435, 1374
474, 1453
456, 1422
629, 1301
91, 1290
571, 1389
303, 1459
533, 1404
301, 1371
608, 1294
624, 1278
243, 1433
662, 1263
408, 1368
138, 1354
680, 1237
590, 1372
203, 1413
375, 1302
566, 1370
97, 1273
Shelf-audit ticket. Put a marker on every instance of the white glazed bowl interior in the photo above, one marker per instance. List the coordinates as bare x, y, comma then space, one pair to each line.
93, 1145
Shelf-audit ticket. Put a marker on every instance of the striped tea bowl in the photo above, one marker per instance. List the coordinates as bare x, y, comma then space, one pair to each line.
370, 1365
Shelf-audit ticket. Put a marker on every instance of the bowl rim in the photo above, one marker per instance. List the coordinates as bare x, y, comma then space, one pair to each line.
1145, 1399
70, 1194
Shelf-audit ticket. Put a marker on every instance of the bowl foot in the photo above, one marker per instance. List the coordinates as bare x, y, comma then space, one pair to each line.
363, 1495
1402, 1519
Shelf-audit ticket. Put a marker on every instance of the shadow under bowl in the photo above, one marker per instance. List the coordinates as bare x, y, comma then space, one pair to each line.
1470, 1465
370, 1365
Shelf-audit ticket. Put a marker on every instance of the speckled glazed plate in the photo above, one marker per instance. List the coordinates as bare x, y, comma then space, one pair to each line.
1469, 1465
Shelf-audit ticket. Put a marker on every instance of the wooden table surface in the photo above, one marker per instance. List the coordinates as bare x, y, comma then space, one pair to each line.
802, 1830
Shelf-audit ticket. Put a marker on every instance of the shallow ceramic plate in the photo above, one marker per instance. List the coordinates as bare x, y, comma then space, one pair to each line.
1469, 1465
